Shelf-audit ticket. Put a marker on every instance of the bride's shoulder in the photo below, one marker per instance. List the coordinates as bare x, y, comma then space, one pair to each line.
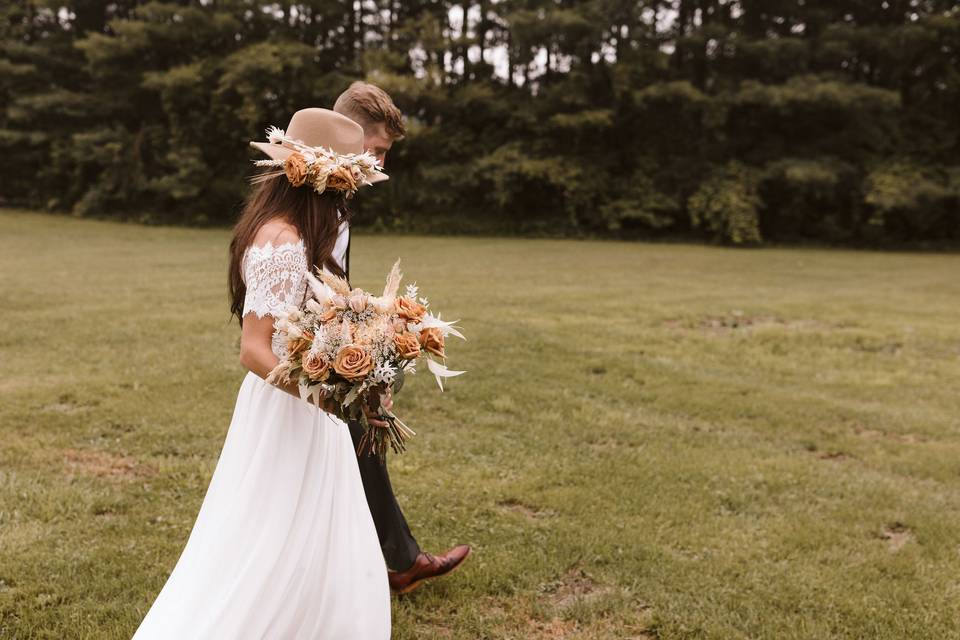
276, 233
276, 246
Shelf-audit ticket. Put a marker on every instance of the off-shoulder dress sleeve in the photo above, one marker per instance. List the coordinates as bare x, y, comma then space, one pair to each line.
275, 278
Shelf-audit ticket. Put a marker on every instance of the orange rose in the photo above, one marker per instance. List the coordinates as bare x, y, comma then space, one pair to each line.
431, 339
295, 166
316, 367
297, 345
407, 345
341, 179
328, 316
410, 310
353, 363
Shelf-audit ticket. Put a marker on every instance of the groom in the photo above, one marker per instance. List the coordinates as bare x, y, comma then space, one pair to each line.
408, 567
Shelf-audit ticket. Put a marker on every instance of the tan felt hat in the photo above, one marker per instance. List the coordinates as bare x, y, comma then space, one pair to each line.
316, 127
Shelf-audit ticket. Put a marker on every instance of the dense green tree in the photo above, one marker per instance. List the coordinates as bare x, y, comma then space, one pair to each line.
731, 120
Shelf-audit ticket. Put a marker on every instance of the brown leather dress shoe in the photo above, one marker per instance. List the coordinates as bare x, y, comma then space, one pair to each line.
427, 566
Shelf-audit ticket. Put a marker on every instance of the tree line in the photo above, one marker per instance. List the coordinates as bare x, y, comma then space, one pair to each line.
741, 121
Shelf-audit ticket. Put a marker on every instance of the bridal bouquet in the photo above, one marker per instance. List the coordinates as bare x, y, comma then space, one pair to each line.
348, 345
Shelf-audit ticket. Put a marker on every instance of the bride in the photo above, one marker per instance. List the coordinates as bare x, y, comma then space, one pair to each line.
284, 545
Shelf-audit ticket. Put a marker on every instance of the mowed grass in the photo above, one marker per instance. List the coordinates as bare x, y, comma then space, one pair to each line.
652, 441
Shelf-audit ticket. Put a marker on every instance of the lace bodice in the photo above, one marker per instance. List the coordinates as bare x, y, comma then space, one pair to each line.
275, 278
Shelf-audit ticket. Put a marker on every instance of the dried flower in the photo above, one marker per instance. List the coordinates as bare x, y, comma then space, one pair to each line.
431, 339
316, 367
353, 362
299, 345
383, 373
341, 179
275, 135
296, 169
407, 345
328, 315
358, 300
320, 167
410, 310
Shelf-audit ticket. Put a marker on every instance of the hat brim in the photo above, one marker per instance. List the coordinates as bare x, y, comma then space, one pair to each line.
275, 151
281, 152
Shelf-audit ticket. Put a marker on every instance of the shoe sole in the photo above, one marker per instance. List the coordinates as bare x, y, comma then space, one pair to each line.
416, 583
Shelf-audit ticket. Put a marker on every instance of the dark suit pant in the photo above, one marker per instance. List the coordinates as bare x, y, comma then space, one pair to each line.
400, 549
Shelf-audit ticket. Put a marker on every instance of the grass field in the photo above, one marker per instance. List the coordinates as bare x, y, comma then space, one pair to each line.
652, 441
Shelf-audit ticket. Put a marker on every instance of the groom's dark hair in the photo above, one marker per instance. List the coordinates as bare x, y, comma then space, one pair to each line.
367, 104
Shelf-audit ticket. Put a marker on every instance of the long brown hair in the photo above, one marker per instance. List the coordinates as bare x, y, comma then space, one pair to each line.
316, 217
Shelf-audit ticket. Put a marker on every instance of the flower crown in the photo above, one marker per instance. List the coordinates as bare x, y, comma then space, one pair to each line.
320, 167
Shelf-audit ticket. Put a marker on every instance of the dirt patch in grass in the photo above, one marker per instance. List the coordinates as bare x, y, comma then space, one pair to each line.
528, 511
434, 630
605, 629
873, 345
611, 444
102, 464
897, 535
908, 438
838, 456
576, 585
835, 455
604, 444
553, 629
738, 320
67, 404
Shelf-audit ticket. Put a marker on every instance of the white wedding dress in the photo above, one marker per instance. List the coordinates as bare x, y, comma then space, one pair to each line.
284, 545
